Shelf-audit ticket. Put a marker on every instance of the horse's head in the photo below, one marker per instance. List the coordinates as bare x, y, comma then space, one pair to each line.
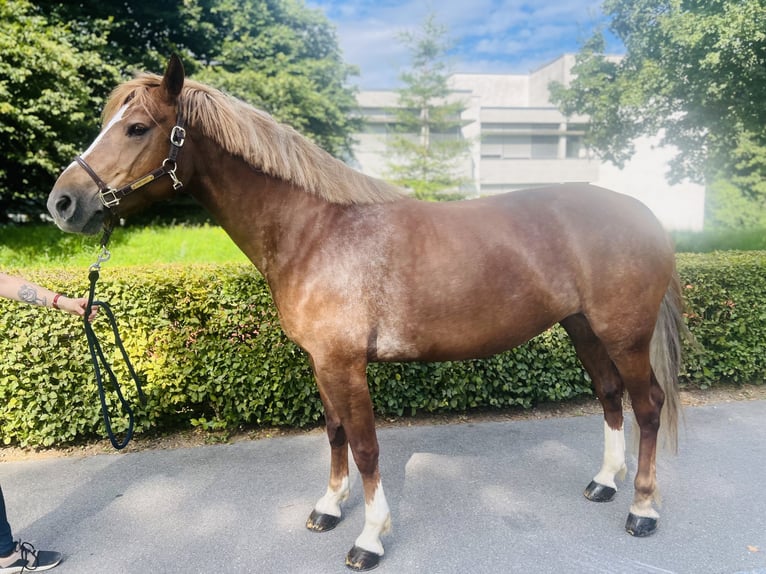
132, 162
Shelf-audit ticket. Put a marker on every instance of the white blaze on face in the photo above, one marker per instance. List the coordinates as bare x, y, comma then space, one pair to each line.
377, 521
116, 118
614, 457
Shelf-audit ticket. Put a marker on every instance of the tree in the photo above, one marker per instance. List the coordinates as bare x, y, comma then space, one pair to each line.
57, 70
284, 58
52, 84
727, 208
142, 35
695, 71
276, 54
427, 147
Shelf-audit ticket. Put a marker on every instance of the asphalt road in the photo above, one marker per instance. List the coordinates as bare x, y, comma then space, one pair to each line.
491, 497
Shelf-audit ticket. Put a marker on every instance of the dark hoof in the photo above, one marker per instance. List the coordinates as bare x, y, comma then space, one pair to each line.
360, 560
319, 522
598, 492
640, 526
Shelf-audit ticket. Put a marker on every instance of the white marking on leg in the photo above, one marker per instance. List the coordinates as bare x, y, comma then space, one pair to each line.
644, 508
330, 502
614, 457
377, 521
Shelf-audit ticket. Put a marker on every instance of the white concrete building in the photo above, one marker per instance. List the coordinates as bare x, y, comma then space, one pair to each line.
519, 139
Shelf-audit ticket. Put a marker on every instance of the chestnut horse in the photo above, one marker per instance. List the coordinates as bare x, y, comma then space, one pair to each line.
360, 272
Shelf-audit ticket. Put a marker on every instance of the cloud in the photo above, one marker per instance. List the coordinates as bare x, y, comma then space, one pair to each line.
493, 36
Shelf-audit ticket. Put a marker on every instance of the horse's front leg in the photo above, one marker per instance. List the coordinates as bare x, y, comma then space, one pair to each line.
368, 548
327, 513
350, 418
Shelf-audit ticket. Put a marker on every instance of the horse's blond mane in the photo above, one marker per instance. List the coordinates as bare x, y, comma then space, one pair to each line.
256, 137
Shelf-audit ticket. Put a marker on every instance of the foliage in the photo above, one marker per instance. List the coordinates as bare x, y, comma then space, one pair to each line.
279, 55
57, 70
751, 239
207, 344
284, 58
52, 77
427, 148
694, 71
141, 35
726, 299
727, 208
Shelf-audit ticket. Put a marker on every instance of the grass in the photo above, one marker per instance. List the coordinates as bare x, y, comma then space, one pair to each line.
45, 246
41, 246
720, 240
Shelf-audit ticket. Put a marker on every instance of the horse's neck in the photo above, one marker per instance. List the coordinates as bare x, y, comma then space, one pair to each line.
267, 218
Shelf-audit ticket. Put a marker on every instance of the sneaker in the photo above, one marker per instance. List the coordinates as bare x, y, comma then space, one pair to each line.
25, 558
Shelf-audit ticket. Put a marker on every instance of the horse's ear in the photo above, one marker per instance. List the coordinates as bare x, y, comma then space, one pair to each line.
173, 80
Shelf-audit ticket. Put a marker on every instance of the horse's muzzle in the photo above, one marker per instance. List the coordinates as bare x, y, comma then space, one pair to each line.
75, 214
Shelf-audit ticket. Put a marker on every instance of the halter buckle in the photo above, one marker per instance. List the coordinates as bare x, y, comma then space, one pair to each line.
109, 197
178, 136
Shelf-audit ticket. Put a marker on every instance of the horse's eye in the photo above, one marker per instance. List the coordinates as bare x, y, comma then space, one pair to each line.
137, 130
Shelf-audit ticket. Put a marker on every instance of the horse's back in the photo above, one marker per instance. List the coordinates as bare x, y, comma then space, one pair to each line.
582, 224
500, 269
576, 203
577, 224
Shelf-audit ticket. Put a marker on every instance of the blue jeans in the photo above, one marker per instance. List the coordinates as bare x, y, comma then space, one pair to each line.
6, 538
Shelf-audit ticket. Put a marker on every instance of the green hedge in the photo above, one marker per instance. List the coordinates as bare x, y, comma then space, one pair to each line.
725, 293
207, 344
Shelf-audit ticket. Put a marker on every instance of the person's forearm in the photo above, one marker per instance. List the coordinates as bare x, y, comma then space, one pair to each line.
25, 291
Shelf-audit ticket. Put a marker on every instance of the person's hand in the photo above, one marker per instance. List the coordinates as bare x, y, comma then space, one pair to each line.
76, 306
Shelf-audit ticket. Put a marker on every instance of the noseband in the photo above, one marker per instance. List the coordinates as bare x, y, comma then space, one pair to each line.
111, 197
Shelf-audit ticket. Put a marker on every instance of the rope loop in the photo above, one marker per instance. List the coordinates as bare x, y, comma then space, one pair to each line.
99, 360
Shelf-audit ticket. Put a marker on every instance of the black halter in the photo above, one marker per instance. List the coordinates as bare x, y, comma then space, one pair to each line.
111, 197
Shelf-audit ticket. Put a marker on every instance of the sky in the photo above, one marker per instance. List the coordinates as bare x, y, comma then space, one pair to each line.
492, 36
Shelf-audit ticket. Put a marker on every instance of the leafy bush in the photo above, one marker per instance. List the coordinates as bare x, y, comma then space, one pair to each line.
208, 347
726, 298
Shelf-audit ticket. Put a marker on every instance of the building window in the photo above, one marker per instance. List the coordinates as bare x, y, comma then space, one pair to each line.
496, 188
519, 147
375, 129
544, 147
575, 148
505, 147
520, 141
451, 133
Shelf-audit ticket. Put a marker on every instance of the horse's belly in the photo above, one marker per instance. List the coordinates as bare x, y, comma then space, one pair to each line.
458, 339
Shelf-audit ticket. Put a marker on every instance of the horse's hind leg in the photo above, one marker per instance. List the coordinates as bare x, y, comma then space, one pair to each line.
609, 390
647, 398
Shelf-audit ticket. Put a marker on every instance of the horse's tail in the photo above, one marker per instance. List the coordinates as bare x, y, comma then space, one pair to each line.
665, 356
